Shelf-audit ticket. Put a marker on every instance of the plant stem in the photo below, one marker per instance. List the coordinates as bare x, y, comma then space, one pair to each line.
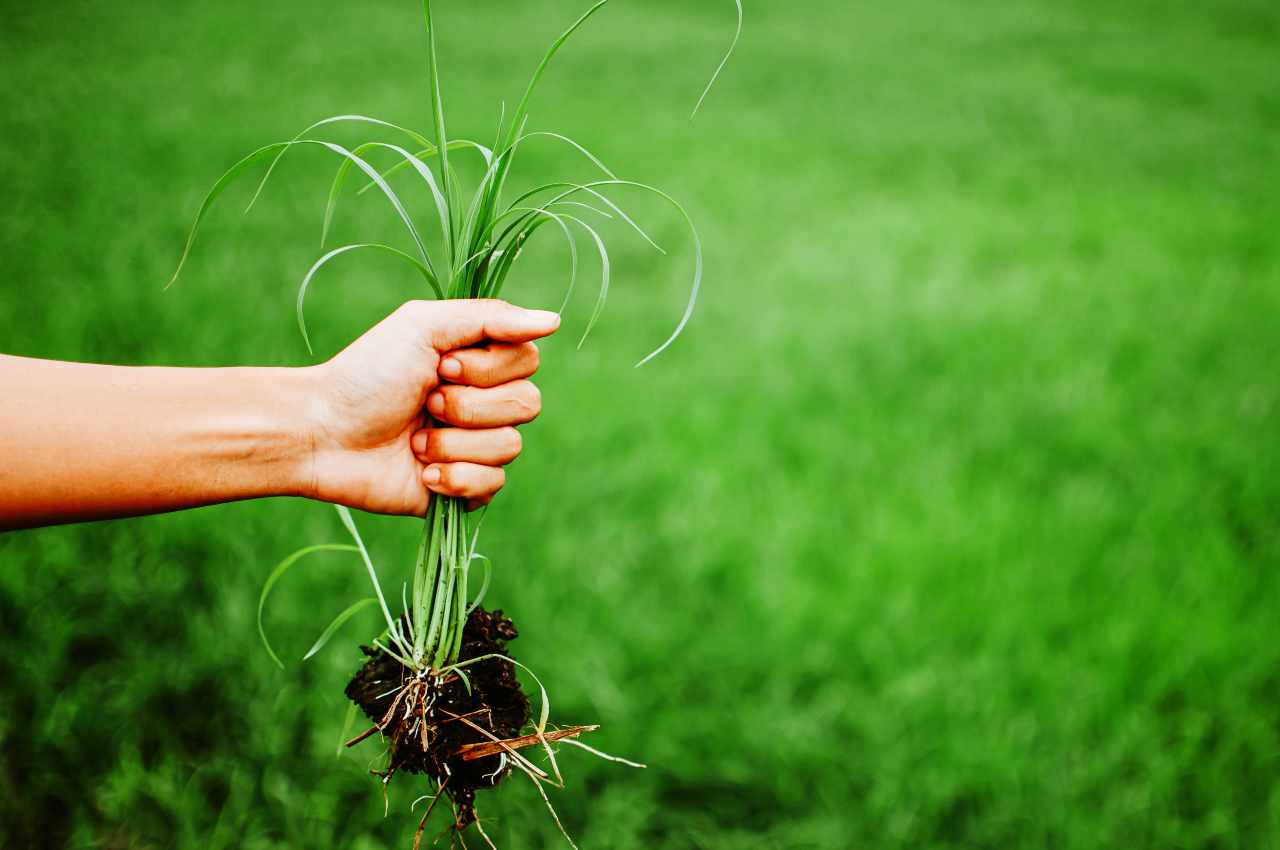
439, 610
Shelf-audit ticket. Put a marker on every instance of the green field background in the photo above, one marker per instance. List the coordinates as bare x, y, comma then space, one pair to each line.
952, 521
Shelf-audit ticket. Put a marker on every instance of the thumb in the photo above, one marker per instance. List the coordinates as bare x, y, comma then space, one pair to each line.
459, 323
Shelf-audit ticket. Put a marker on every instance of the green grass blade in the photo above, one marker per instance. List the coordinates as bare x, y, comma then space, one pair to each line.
466, 680
590, 189
456, 144
240, 167
350, 524
695, 288
484, 200
560, 218
335, 188
345, 735
437, 116
336, 119
604, 276
568, 141
502, 118
219, 187
725, 61
337, 623
580, 204
484, 585
441, 199
347, 155
518, 118
507, 257
573, 252
390, 194
522, 109
337, 252
278, 573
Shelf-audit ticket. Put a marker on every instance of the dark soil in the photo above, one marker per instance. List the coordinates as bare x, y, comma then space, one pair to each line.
495, 703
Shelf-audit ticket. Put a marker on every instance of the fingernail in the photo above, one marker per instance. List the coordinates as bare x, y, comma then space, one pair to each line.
435, 404
432, 476
451, 368
419, 443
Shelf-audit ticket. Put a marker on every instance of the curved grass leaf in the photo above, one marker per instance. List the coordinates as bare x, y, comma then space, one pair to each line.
335, 187
417, 138
466, 680
519, 116
522, 109
456, 144
347, 723
696, 287
604, 277
278, 573
589, 188
573, 252
559, 218
385, 187
596, 210
393, 630
338, 623
240, 167
409, 159
568, 141
219, 187
337, 252
484, 585
733, 45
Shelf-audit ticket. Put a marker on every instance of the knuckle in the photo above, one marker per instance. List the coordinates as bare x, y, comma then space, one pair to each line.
435, 444
417, 316
482, 481
463, 482
487, 370
458, 408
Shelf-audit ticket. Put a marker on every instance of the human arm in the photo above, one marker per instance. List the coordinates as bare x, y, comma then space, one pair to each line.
80, 441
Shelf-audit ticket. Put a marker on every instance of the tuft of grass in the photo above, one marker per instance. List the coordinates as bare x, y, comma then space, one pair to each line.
480, 239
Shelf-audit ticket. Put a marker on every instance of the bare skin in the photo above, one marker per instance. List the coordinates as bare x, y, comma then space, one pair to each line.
81, 442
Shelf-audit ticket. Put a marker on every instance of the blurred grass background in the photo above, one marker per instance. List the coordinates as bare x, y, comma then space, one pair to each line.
953, 521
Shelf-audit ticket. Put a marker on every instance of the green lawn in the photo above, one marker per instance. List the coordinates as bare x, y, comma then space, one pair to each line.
953, 521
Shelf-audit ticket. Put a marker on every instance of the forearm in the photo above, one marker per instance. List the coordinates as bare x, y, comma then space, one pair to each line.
81, 442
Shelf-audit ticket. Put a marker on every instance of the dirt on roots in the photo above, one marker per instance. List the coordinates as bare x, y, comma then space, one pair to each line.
429, 720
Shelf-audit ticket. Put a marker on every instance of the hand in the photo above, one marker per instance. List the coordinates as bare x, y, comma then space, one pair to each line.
467, 363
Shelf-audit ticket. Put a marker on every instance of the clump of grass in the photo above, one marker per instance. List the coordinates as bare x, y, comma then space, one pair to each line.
439, 683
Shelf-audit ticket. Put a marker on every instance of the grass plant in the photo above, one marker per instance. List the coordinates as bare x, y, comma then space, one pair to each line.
469, 250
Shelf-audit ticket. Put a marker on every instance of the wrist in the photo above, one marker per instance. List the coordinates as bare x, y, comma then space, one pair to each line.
272, 439
305, 431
